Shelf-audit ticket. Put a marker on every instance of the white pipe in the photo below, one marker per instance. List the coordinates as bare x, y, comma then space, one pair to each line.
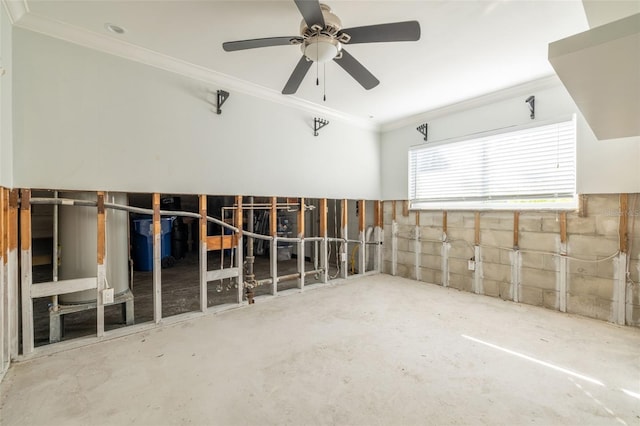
54, 299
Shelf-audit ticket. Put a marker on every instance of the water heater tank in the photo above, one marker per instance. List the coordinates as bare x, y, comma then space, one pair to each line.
78, 239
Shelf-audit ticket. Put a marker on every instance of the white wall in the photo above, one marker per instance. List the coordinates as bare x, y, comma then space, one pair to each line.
88, 120
6, 144
602, 166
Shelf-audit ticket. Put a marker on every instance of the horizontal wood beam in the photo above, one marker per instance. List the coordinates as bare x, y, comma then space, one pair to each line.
221, 242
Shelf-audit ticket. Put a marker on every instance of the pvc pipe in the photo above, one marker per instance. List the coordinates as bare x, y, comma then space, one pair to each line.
54, 299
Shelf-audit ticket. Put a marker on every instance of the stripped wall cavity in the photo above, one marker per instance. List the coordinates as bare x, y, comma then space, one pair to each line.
577, 262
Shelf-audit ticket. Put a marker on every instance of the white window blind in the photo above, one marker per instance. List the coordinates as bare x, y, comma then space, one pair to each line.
533, 167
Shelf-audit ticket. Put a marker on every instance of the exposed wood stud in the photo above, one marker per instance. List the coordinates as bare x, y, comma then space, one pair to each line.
13, 219
239, 250
477, 228
273, 217
582, 205
624, 221
362, 225
516, 229
26, 272
563, 227
417, 217
324, 257
361, 215
405, 208
301, 254
393, 210
323, 217
157, 259
378, 212
13, 280
344, 235
101, 271
4, 305
203, 253
444, 222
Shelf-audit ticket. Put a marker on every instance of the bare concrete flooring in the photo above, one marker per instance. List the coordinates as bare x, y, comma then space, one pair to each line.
365, 351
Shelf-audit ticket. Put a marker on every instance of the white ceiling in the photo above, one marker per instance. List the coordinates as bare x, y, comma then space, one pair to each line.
467, 48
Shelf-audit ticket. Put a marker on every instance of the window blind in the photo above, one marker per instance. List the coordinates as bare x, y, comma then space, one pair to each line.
533, 167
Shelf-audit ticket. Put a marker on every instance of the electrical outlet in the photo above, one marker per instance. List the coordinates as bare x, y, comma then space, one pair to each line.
107, 296
471, 265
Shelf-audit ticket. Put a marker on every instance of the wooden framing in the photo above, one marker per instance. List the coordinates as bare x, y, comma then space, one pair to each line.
516, 229
444, 223
405, 208
476, 226
393, 210
101, 270
4, 296
220, 242
157, 259
12, 273
563, 227
378, 220
26, 277
204, 247
624, 223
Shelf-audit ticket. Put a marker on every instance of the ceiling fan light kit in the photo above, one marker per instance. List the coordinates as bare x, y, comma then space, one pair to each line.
322, 39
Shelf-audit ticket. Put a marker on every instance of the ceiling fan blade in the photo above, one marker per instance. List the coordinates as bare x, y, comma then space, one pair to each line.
231, 46
357, 71
297, 76
311, 12
396, 31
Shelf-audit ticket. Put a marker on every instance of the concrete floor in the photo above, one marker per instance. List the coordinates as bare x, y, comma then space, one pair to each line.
372, 350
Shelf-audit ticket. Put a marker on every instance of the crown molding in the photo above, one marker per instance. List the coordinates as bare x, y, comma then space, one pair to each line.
16, 9
122, 49
547, 82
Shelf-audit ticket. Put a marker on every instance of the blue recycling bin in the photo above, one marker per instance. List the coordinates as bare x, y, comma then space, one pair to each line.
143, 242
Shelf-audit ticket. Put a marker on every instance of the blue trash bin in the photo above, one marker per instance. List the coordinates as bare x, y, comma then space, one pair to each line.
143, 242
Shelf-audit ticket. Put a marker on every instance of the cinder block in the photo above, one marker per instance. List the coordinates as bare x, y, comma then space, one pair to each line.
430, 233
582, 268
580, 225
431, 261
459, 266
386, 267
593, 286
455, 233
590, 306
540, 241
532, 260
491, 288
551, 222
550, 299
538, 278
589, 246
455, 219
431, 219
432, 248
461, 282
437, 277
607, 225
633, 315
491, 255
603, 205
495, 238
403, 244
530, 222
531, 296
406, 258
499, 221
605, 269
460, 250
506, 291
403, 271
387, 218
387, 254
550, 263
496, 272
428, 276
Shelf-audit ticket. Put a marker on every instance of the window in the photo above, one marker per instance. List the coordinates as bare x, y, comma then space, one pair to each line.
529, 168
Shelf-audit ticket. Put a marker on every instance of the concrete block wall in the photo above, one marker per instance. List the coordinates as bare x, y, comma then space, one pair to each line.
585, 274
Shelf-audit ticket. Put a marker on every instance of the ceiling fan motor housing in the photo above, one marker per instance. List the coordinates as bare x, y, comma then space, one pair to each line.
322, 44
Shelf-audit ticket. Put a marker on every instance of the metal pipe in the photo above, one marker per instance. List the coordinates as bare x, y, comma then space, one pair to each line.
288, 277
258, 236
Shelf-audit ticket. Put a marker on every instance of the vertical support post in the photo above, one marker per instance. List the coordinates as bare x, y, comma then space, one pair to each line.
477, 255
563, 262
344, 253
324, 253
394, 240
378, 234
515, 259
204, 303
620, 282
239, 249
273, 252
26, 277
12, 275
444, 252
362, 227
101, 270
301, 226
4, 306
417, 248
157, 259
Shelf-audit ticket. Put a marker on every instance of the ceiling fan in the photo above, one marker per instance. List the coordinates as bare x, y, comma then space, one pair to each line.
322, 39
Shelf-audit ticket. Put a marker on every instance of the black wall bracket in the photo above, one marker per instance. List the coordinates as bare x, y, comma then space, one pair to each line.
221, 98
423, 129
318, 123
531, 100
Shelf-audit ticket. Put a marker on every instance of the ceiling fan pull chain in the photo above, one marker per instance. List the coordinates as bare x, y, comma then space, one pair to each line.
317, 68
324, 82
